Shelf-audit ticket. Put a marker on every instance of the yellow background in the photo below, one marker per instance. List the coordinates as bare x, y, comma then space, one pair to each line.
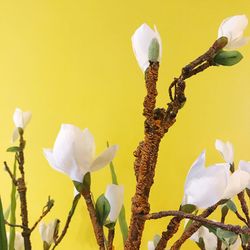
72, 62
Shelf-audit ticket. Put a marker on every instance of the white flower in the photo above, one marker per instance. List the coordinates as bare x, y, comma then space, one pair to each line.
115, 196
141, 41
151, 245
21, 119
206, 186
19, 243
226, 150
47, 232
74, 153
232, 28
210, 240
245, 166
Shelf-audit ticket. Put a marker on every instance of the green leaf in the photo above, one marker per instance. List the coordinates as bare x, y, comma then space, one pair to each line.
228, 58
74, 204
188, 208
122, 216
102, 207
13, 149
230, 204
109, 225
3, 237
13, 211
154, 50
227, 237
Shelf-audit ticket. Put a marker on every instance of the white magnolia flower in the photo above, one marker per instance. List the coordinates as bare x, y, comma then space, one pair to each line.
19, 243
245, 166
21, 119
233, 28
151, 245
141, 41
226, 150
74, 153
47, 232
210, 240
115, 196
206, 186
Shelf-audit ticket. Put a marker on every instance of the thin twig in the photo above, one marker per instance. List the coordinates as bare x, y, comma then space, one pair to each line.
66, 226
10, 173
244, 207
13, 225
45, 211
236, 229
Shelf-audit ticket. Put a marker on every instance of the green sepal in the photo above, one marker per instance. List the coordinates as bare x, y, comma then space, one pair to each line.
224, 210
156, 239
13, 149
110, 224
154, 50
102, 207
46, 246
201, 243
230, 204
188, 208
3, 237
228, 58
85, 185
245, 238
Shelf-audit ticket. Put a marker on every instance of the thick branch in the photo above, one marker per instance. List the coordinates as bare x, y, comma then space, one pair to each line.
98, 229
21, 188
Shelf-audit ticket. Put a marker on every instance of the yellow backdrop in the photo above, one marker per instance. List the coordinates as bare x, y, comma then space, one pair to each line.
72, 62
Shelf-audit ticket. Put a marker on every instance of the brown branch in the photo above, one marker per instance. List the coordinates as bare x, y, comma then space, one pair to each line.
98, 229
111, 236
22, 189
10, 173
45, 211
66, 226
244, 207
157, 123
236, 229
222, 220
12, 225
240, 217
195, 226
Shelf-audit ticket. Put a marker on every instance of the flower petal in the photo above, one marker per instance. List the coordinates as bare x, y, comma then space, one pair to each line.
151, 245
104, 158
237, 182
115, 196
233, 28
141, 40
18, 118
15, 135
26, 118
42, 231
226, 150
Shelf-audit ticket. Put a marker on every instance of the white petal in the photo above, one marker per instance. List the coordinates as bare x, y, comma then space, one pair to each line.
15, 135
84, 148
236, 245
115, 196
42, 231
141, 40
26, 118
19, 242
226, 150
18, 118
233, 28
237, 182
151, 245
104, 158
237, 43
63, 150
196, 168
244, 165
